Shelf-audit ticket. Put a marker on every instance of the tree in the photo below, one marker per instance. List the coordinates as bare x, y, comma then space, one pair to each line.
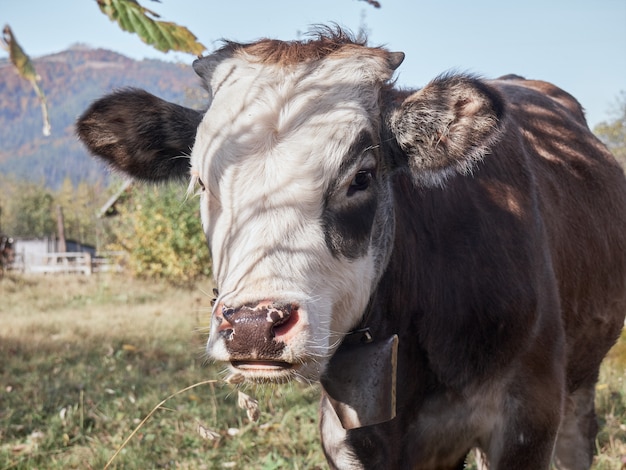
613, 131
30, 210
80, 205
162, 234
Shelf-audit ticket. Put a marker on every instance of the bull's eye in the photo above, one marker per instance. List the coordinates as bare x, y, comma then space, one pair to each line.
361, 181
196, 186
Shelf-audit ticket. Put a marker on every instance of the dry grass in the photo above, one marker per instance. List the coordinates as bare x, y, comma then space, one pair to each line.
77, 308
611, 410
84, 359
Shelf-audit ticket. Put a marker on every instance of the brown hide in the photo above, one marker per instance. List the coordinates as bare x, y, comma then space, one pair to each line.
507, 289
582, 203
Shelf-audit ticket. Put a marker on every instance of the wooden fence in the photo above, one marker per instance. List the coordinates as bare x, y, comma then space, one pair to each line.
61, 263
65, 263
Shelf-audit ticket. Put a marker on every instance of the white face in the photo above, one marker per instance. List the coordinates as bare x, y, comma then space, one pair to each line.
296, 210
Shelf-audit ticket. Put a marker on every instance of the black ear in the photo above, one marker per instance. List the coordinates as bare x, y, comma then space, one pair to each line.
446, 127
140, 134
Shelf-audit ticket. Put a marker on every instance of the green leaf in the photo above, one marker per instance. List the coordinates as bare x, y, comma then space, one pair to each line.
26, 69
163, 36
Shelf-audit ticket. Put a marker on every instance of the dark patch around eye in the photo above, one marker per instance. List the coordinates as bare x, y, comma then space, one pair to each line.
348, 226
347, 230
363, 141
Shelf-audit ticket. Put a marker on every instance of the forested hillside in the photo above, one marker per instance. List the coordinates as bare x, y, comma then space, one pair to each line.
71, 80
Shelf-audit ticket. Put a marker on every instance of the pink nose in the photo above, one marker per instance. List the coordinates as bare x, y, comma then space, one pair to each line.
256, 332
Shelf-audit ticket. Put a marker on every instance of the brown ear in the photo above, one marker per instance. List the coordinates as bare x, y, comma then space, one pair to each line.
445, 128
139, 134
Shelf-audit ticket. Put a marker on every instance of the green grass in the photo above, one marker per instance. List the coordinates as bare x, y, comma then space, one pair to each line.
84, 359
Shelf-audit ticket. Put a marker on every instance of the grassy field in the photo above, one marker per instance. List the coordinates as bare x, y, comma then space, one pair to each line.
84, 359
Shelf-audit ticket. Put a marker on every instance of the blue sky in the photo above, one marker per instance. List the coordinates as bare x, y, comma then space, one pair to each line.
578, 45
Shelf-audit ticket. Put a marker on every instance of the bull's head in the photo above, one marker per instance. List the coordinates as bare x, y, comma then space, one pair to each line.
293, 161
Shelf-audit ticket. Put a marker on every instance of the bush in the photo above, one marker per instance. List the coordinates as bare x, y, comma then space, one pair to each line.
162, 233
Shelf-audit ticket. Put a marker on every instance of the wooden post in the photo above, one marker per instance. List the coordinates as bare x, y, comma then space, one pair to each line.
62, 246
88, 264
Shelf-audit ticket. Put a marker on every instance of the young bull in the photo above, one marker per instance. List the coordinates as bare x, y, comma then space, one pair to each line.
475, 225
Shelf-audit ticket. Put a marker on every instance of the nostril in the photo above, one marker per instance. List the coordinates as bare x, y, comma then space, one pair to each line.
225, 328
227, 333
279, 315
228, 312
281, 328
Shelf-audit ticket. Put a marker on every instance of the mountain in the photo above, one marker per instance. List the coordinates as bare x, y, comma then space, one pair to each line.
71, 80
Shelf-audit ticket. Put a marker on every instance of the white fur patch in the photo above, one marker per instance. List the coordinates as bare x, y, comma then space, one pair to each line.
335, 439
267, 150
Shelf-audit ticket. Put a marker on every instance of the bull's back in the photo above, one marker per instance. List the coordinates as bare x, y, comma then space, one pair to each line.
581, 192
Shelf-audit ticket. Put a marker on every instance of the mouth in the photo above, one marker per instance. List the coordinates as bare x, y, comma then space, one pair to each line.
261, 365
265, 371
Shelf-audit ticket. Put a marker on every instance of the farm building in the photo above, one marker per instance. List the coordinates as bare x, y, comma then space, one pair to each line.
47, 255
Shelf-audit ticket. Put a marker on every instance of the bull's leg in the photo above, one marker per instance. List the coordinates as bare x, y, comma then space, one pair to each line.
575, 441
524, 448
526, 436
